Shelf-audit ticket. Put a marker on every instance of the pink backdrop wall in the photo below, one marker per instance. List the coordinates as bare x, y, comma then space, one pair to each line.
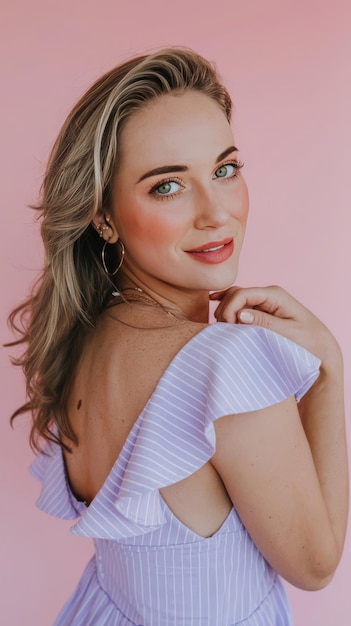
287, 64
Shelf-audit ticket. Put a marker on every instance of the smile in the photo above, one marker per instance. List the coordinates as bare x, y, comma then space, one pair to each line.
213, 252
216, 248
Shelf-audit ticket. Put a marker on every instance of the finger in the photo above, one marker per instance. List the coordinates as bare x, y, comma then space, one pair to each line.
219, 295
273, 300
255, 317
267, 299
225, 314
237, 298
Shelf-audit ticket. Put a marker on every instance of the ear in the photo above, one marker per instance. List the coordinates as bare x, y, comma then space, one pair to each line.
104, 226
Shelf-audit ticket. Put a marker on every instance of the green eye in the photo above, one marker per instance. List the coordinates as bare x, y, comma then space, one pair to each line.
225, 171
164, 189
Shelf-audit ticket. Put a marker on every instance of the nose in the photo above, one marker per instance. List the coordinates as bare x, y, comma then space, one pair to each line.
210, 211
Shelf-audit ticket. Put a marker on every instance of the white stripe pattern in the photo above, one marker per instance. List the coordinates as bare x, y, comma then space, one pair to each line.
150, 569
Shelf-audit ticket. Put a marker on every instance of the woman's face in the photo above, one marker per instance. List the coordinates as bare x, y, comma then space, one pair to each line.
179, 202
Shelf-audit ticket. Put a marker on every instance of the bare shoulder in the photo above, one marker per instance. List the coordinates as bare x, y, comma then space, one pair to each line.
145, 334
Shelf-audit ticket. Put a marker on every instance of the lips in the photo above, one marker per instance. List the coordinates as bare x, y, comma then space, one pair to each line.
213, 251
211, 245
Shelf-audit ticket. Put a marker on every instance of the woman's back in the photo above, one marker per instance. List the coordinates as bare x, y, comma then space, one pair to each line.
120, 366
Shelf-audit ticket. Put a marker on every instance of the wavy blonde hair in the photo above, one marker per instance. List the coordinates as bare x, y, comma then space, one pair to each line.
73, 289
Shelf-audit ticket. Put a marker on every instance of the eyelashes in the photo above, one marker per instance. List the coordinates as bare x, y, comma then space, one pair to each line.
222, 171
165, 189
168, 188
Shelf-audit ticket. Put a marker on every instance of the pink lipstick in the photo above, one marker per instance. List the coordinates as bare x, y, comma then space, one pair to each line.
214, 251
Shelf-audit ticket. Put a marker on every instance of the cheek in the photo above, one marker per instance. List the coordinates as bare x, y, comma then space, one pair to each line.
244, 203
143, 227
235, 198
240, 208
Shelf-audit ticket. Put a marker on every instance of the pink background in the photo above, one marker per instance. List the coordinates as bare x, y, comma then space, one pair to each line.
287, 65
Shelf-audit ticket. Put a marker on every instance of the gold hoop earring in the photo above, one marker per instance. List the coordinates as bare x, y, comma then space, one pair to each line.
104, 260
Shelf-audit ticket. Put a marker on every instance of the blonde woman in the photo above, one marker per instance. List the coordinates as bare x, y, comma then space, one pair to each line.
177, 445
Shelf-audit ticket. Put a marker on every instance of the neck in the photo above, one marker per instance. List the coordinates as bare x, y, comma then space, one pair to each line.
192, 305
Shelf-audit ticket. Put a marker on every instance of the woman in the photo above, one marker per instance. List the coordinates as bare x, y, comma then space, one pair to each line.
177, 443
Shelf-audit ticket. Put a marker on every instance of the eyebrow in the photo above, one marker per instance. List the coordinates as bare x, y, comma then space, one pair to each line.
167, 169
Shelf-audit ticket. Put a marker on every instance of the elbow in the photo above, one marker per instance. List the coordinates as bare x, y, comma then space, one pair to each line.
314, 582
316, 573
322, 573
323, 566
310, 580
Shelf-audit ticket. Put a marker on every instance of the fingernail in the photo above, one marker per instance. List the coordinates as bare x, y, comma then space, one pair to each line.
246, 316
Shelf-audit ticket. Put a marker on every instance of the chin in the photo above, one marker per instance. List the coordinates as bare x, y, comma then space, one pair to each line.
223, 283
221, 286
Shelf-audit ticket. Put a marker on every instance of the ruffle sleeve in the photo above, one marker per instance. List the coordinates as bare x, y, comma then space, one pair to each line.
225, 369
55, 496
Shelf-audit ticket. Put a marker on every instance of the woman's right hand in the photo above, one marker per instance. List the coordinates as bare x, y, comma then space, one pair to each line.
275, 309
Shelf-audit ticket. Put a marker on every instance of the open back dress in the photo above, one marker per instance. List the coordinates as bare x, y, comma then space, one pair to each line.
149, 569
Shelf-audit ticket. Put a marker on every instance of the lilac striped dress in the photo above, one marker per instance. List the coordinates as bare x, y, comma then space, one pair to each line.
150, 569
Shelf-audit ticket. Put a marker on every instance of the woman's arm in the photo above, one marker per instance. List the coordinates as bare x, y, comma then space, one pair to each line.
292, 464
